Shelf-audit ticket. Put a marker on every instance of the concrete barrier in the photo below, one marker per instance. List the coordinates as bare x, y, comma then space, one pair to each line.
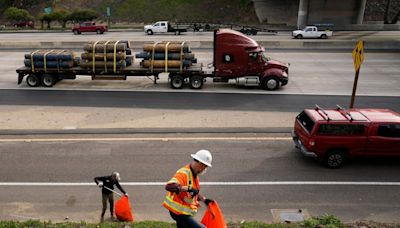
393, 45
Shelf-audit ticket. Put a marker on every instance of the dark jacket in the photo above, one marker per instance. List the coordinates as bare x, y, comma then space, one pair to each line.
109, 183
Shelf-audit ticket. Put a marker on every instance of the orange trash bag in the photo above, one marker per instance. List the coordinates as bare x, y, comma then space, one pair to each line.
213, 217
123, 209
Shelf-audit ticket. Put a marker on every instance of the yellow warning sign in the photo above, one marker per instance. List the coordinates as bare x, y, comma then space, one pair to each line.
358, 54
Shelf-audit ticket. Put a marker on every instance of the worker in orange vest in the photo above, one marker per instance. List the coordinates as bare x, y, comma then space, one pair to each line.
182, 199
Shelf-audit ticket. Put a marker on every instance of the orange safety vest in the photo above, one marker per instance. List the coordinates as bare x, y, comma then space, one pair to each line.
183, 203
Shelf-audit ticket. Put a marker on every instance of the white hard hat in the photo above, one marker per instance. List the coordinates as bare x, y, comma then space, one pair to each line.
116, 176
203, 156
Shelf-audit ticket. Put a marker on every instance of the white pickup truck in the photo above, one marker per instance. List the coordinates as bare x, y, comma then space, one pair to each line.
163, 27
311, 32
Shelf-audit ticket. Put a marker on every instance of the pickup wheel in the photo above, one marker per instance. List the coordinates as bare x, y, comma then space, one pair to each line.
324, 36
98, 31
196, 82
48, 80
270, 83
149, 32
176, 81
299, 36
76, 32
33, 80
334, 159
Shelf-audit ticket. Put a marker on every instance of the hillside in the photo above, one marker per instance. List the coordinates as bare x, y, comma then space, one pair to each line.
212, 11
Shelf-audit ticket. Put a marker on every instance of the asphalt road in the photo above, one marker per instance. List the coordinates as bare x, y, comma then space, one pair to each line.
189, 101
310, 73
280, 177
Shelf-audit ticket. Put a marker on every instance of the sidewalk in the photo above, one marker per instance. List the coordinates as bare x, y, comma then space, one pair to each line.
49, 120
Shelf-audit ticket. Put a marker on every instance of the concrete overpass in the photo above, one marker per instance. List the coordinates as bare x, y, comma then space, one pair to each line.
344, 14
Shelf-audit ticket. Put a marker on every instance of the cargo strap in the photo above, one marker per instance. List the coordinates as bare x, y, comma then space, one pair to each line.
166, 57
32, 63
44, 59
115, 55
105, 55
94, 57
181, 66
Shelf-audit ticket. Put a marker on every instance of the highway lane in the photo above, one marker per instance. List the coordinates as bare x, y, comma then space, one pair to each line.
188, 101
189, 36
146, 159
327, 73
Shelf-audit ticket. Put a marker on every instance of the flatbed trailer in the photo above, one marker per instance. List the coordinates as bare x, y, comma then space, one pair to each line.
49, 77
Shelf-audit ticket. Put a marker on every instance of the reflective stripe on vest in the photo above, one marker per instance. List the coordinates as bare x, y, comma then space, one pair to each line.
177, 207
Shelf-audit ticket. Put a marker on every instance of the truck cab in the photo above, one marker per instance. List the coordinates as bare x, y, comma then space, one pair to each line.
239, 57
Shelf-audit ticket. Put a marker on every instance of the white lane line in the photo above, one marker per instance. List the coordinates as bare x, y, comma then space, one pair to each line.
247, 183
149, 139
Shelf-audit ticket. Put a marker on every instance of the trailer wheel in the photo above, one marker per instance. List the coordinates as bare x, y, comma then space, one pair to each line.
48, 80
196, 82
270, 83
176, 82
32, 80
149, 32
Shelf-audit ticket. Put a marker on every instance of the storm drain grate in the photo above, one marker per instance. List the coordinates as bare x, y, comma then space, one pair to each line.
289, 215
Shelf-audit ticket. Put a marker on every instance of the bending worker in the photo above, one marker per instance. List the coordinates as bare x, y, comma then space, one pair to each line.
182, 199
108, 182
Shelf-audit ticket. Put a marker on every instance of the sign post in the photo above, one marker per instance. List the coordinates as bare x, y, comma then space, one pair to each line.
108, 16
358, 58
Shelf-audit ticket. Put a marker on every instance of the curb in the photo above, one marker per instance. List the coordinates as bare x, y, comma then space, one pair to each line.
236, 130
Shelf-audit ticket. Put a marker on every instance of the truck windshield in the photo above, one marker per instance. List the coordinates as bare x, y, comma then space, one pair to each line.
265, 58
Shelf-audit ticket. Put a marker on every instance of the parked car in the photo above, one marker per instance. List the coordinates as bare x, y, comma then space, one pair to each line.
24, 24
334, 135
89, 26
311, 32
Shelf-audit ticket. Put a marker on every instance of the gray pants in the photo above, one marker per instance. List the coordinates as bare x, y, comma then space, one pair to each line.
110, 198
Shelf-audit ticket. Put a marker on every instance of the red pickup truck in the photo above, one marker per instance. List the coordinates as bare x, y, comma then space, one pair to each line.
89, 26
333, 135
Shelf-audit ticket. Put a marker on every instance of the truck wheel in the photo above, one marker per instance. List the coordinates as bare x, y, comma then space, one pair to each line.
48, 80
32, 80
299, 36
98, 31
324, 36
176, 82
75, 32
149, 32
334, 159
196, 82
270, 83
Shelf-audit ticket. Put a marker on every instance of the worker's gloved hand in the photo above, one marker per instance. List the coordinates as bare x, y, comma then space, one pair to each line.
100, 185
193, 192
126, 194
207, 201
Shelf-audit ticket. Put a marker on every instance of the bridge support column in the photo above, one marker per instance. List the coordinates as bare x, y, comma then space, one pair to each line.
361, 10
303, 13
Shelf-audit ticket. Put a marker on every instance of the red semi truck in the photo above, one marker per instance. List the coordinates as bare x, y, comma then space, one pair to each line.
235, 57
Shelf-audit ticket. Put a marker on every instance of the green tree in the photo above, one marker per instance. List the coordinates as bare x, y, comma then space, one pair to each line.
82, 15
15, 14
48, 18
62, 16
